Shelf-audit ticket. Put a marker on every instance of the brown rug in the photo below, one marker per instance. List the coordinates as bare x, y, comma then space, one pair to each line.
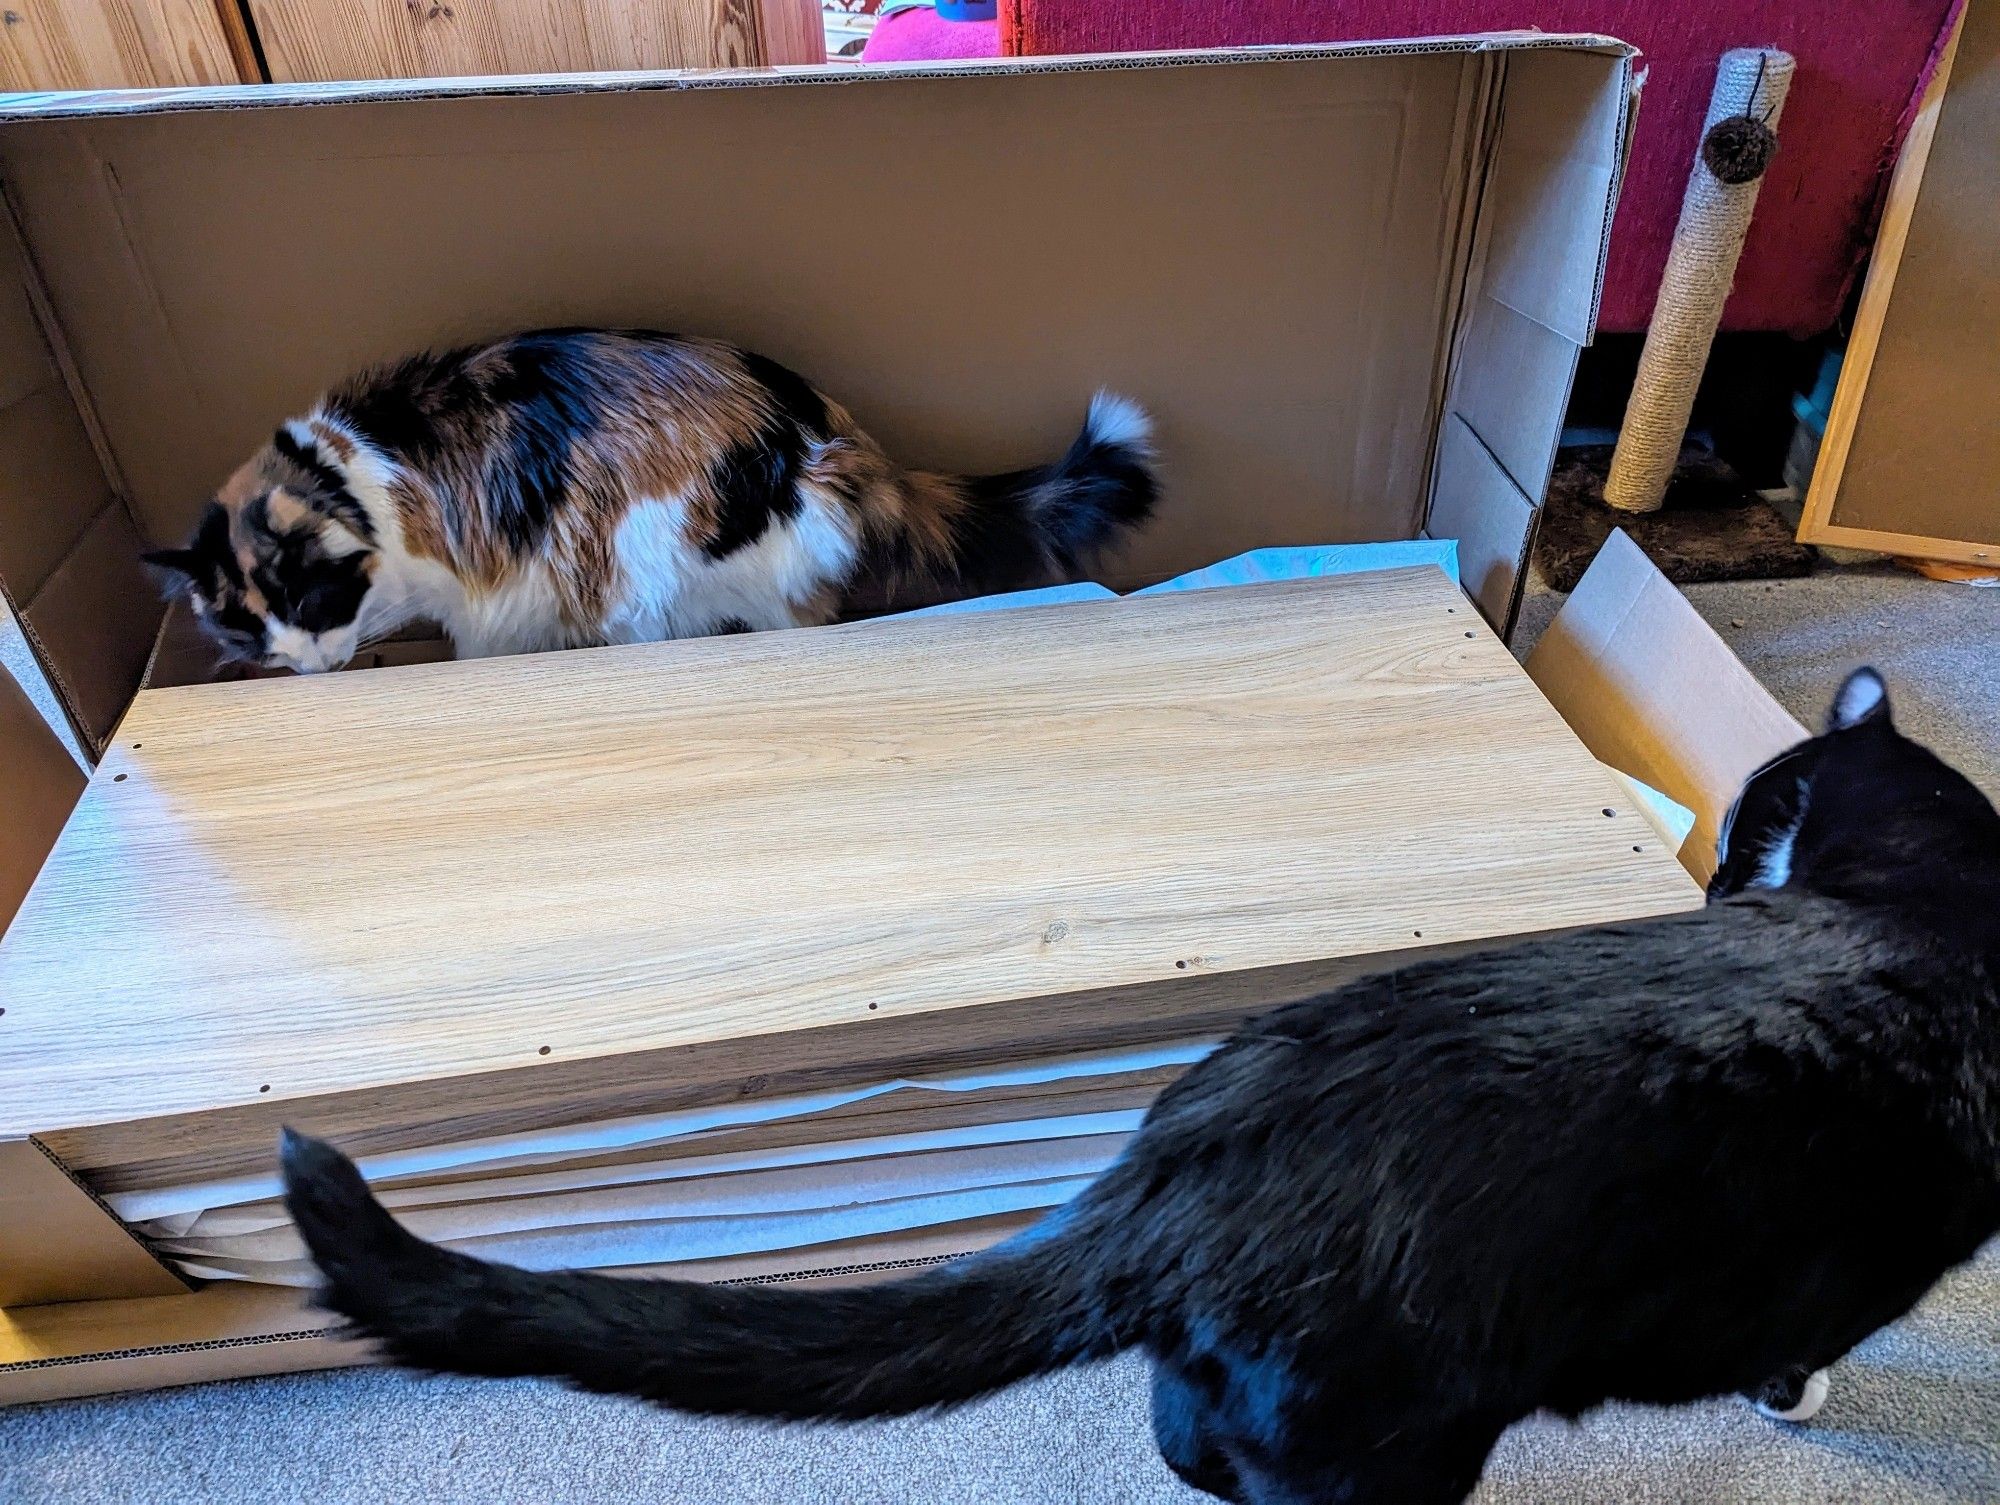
1712, 527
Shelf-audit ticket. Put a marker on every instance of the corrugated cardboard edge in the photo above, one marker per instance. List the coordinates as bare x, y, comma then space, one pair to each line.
41, 786
60, 1243
74, 104
1654, 692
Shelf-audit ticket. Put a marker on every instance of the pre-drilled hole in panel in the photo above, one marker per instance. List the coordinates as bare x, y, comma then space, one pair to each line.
1472, 634
543, 1051
118, 778
874, 1006
1609, 812
265, 1088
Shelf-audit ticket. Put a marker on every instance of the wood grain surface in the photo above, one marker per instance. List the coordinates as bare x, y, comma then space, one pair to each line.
415, 896
115, 44
309, 41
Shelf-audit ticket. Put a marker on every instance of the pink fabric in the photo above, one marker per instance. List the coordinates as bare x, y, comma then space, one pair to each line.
918, 35
1860, 65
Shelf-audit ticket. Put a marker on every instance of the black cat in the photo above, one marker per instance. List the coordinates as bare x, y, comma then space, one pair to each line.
1654, 1162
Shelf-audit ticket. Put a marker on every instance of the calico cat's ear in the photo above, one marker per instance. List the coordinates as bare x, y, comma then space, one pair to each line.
1862, 698
182, 567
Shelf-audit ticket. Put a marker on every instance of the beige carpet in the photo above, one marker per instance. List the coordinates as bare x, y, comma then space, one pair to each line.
1914, 1418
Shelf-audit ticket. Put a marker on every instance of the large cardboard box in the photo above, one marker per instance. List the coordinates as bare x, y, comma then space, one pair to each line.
539, 897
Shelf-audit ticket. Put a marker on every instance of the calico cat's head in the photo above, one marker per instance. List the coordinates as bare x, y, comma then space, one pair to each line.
1860, 811
278, 567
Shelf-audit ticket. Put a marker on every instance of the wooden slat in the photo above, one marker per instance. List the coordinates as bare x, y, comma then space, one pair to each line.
1928, 463
791, 31
581, 881
114, 44
237, 1140
324, 40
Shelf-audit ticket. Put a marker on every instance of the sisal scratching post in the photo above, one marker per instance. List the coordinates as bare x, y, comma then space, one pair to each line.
1738, 139
1695, 517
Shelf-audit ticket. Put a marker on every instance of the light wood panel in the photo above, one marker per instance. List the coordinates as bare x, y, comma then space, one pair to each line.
418, 895
237, 1139
320, 40
1909, 471
117, 44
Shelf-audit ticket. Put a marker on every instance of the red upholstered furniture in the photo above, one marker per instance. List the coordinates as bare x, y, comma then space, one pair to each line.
1861, 65
921, 34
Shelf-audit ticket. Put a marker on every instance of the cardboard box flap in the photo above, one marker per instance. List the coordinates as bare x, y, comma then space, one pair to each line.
1555, 185
69, 567
1273, 249
1654, 692
73, 103
1531, 304
40, 788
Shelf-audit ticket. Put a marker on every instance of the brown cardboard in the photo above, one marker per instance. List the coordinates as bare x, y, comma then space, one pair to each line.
1301, 259
59, 1243
39, 783
1911, 458
1654, 692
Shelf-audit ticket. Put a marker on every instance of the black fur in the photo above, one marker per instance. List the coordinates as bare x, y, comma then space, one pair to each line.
1053, 520
545, 394
1653, 1162
756, 482
325, 488
300, 581
402, 408
208, 567
1029, 527
540, 393
792, 394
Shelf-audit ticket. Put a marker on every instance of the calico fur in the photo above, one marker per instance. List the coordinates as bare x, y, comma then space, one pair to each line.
1656, 1162
573, 487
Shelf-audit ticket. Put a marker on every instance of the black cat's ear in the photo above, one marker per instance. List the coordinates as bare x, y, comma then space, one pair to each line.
182, 568
1862, 698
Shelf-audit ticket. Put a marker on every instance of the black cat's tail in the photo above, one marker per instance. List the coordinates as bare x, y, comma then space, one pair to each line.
1023, 527
933, 1340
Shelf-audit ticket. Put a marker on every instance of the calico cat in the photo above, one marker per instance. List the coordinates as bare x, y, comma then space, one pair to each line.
567, 488
1655, 1162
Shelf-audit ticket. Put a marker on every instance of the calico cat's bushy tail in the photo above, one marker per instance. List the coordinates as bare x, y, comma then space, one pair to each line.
933, 1340
1027, 527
